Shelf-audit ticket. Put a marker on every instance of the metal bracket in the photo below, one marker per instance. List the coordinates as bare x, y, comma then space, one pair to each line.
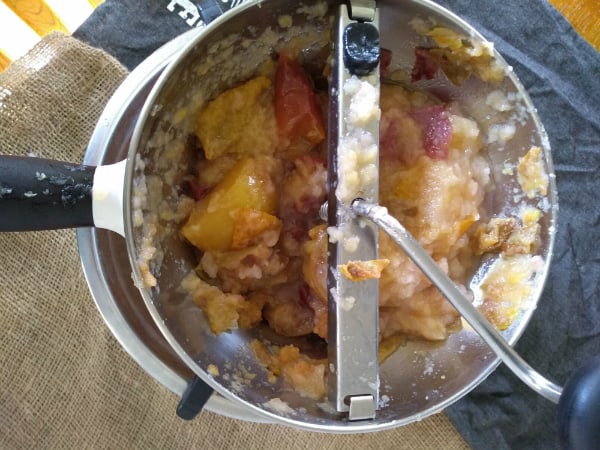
353, 155
362, 407
362, 10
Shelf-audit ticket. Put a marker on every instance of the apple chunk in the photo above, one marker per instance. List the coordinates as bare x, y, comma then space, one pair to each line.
247, 191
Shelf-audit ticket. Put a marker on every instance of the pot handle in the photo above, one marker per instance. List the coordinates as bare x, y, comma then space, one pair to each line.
194, 398
209, 10
42, 194
107, 197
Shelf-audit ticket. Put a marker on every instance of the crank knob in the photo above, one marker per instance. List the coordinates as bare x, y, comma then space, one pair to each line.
361, 48
579, 409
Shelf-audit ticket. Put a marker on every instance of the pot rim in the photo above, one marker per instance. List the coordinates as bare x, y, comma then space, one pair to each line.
357, 427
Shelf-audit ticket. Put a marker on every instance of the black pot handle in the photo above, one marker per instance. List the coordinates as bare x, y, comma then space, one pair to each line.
41, 194
211, 9
194, 398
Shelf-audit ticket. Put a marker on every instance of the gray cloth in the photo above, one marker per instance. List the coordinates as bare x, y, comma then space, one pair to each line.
562, 74
130, 30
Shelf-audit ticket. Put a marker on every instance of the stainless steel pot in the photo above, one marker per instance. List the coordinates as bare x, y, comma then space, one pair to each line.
420, 378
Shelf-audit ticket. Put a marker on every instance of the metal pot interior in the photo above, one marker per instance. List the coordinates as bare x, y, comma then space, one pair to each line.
419, 379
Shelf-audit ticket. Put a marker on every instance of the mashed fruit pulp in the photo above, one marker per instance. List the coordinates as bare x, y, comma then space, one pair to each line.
260, 181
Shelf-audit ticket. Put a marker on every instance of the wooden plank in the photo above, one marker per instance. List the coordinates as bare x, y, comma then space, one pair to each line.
4, 61
72, 12
38, 15
16, 37
584, 15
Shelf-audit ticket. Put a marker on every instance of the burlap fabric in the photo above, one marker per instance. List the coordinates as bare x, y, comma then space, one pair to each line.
64, 380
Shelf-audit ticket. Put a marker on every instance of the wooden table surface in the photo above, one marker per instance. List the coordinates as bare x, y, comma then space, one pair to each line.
39, 17
24, 22
584, 15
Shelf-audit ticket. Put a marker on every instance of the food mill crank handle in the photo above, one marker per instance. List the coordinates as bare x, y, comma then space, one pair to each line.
578, 417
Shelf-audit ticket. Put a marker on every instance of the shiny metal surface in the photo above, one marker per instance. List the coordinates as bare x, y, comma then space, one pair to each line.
478, 322
353, 306
420, 378
363, 10
104, 255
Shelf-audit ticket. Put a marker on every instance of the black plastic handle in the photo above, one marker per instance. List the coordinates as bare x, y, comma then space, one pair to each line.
193, 399
361, 48
211, 9
42, 194
579, 409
